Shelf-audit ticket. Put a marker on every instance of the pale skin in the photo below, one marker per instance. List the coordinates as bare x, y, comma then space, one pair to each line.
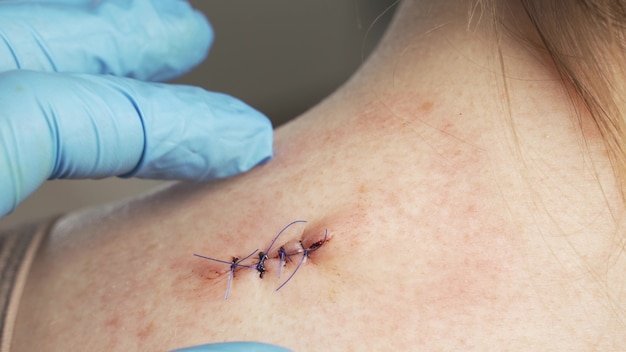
456, 221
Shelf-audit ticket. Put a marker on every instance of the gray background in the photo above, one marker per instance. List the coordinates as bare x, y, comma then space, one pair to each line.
280, 56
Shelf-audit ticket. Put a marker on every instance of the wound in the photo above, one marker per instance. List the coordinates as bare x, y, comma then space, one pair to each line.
292, 245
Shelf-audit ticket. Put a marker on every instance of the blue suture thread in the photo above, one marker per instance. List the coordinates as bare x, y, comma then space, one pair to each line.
283, 256
233, 264
305, 253
260, 267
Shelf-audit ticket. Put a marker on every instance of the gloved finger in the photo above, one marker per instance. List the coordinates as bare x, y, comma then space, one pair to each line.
235, 347
58, 2
143, 39
85, 126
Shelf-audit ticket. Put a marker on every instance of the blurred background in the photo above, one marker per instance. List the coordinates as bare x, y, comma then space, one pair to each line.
280, 56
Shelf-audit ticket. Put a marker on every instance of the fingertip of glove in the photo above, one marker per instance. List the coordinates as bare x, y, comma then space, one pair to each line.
105, 37
235, 347
251, 134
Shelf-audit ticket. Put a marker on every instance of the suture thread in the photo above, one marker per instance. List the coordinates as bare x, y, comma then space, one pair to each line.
260, 267
305, 254
283, 257
233, 264
263, 256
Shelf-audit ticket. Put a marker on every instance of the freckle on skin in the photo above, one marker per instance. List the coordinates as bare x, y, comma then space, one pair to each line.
113, 322
146, 331
426, 107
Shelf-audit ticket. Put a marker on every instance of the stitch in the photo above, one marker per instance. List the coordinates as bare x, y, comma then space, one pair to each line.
284, 257
284, 253
260, 267
305, 254
233, 264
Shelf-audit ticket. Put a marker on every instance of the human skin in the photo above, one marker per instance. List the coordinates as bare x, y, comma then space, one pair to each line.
458, 219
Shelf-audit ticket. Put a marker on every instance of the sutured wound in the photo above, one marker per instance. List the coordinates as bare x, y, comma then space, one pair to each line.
284, 254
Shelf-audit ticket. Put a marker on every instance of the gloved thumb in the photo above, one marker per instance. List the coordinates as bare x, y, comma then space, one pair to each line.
235, 347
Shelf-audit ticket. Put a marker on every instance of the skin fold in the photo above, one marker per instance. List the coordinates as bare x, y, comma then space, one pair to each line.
466, 209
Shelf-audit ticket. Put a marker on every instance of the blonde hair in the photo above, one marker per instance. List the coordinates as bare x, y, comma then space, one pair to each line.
586, 40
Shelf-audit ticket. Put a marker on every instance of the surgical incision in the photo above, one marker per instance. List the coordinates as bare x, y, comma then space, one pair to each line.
284, 254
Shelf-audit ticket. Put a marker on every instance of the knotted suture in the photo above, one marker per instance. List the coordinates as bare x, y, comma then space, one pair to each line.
284, 253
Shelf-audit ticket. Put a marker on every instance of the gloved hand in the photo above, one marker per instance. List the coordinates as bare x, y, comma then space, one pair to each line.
72, 104
234, 347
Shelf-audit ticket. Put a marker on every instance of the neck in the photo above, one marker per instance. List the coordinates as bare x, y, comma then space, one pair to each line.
480, 111
436, 66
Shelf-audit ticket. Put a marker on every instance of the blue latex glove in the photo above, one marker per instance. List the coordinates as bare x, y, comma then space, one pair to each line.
67, 110
235, 347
